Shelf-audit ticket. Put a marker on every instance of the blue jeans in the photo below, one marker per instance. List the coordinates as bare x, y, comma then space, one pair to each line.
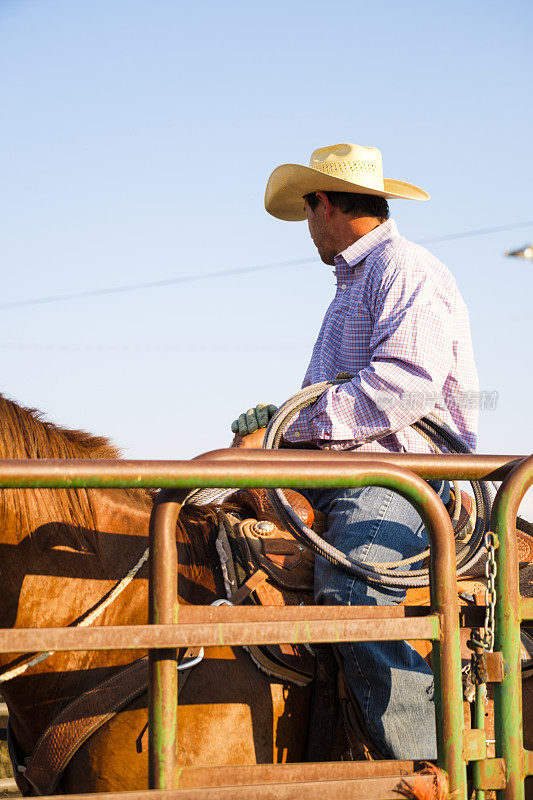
392, 683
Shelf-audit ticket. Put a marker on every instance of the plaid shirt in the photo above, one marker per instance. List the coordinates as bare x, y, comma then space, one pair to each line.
399, 325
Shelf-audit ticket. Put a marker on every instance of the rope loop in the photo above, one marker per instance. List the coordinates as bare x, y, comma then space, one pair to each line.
442, 439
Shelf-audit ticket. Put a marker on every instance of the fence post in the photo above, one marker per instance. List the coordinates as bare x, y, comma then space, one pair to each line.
163, 605
508, 613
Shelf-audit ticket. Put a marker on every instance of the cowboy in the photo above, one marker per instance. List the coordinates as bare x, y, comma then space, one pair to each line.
399, 325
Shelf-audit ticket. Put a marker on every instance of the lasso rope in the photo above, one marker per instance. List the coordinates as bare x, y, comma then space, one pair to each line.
431, 428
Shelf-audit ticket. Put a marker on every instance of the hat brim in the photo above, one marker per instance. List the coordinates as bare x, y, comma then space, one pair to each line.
289, 183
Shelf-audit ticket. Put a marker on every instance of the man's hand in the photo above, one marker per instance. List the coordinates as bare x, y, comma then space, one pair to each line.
250, 428
253, 419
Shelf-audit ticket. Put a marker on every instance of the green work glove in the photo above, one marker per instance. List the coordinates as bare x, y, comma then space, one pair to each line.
253, 419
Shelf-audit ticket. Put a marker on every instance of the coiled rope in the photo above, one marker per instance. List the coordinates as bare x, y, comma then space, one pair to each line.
442, 439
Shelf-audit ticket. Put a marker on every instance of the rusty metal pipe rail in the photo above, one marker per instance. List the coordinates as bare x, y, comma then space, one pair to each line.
229, 467
371, 788
454, 466
226, 627
444, 603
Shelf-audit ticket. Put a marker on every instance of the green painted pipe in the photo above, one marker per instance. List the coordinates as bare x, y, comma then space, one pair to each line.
508, 693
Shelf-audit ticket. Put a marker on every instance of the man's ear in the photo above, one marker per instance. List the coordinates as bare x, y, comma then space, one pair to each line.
328, 205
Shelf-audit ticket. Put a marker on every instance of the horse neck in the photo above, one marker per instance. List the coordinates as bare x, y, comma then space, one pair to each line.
57, 572
51, 580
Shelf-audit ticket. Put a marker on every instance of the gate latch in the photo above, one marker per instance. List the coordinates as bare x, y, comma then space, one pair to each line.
486, 667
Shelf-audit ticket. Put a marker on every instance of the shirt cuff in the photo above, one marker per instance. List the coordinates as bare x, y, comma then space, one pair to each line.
302, 429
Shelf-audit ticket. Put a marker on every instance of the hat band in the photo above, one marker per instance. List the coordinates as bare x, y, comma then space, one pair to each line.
351, 171
336, 167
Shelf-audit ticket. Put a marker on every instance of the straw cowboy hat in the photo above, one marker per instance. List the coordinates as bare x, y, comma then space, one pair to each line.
338, 168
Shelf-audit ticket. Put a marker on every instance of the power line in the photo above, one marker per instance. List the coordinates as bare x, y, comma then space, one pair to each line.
476, 232
133, 287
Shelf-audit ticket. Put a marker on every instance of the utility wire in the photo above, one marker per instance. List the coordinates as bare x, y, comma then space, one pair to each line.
133, 287
476, 232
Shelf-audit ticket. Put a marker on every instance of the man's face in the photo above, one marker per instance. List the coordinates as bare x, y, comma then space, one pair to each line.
321, 233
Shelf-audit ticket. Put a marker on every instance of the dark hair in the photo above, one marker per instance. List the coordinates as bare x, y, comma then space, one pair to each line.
358, 205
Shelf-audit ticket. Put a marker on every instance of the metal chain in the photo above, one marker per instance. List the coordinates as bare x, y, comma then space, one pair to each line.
486, 639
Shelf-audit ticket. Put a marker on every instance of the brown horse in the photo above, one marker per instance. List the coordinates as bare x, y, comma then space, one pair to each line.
61, 552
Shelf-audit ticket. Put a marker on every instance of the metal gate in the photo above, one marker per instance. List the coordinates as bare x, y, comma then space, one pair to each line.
173, 626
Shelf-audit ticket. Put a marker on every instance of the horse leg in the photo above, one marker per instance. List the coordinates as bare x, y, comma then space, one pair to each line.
229, 713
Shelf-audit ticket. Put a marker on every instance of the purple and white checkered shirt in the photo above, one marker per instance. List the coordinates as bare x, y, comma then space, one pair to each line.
399, 325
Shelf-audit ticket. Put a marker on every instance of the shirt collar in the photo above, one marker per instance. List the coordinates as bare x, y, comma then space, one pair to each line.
359, 250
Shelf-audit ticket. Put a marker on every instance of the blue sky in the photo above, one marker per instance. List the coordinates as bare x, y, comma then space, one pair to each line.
136, 139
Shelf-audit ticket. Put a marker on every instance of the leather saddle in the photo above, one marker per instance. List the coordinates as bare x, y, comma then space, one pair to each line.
263, 563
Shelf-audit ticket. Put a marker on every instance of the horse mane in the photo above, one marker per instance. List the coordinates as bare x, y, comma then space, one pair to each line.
199, 528
25, 433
